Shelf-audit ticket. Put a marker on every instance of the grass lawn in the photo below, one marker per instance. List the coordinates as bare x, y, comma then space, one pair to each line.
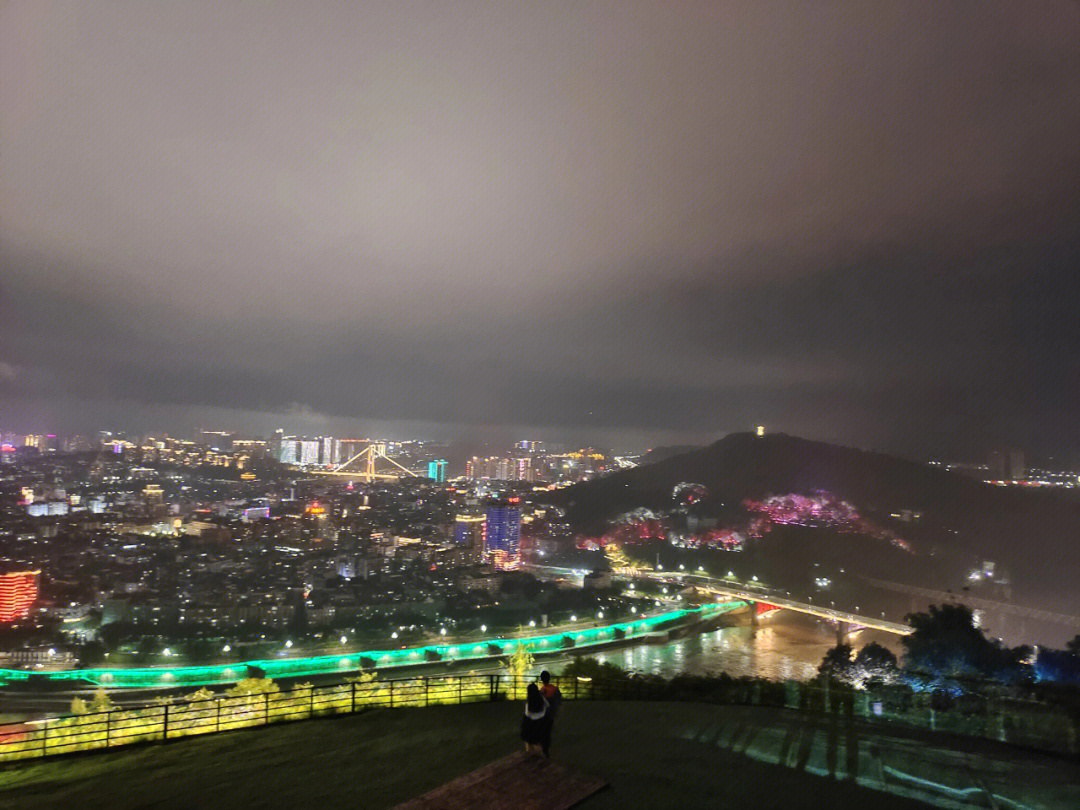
652, 755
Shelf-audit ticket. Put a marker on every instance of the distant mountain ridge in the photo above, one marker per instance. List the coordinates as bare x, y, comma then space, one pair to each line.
1034, 534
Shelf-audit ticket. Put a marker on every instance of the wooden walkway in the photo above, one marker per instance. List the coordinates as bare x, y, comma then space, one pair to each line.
519, 781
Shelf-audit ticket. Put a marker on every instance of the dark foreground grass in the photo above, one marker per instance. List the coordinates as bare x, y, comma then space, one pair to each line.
378, 759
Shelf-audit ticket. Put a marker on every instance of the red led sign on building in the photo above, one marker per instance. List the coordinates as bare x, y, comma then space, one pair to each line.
18, 590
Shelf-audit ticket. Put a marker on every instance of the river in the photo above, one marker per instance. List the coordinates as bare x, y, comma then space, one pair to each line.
786, 646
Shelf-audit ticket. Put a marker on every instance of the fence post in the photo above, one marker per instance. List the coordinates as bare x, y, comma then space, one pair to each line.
165, 724
353, 711
217, 722
460, 690
45, 738
391, 694
266, 708
311, 709
108, 727
427, 697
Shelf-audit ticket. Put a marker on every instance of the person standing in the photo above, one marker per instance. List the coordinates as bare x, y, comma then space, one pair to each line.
534, 723
553, 696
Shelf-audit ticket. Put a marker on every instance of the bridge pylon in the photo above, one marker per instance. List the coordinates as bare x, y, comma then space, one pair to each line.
366, 460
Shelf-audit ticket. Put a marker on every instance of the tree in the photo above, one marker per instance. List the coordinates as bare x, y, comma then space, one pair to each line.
838, 663
92, 652
101, 702
946, 643
520, 662
1074, 645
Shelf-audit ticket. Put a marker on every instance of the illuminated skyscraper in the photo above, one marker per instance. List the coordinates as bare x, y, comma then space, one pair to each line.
326, 457
469, 533
502, 538
436, 470
288, 452
309, 452
18, 590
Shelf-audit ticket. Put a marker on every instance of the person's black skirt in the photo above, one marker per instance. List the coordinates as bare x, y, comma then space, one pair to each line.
533, 731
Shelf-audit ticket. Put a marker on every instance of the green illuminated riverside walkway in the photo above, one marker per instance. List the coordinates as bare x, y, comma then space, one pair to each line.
149, 677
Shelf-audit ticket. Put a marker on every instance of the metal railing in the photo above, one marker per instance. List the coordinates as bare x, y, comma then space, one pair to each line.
197, 714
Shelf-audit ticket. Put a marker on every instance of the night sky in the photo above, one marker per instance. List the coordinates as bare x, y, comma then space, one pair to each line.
622, 223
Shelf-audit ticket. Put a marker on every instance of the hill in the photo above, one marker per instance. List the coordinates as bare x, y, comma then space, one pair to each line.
947, 524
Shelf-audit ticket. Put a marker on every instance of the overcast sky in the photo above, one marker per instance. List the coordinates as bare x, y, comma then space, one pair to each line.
641, 223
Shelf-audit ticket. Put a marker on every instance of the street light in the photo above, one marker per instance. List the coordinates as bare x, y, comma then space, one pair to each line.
442, 631
288, 644
394, 634
573, 618
483, 628
166, 652
599, 614
532, 623
344, 640
226, 649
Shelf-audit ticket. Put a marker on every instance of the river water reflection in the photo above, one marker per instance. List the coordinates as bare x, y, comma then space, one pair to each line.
786, 646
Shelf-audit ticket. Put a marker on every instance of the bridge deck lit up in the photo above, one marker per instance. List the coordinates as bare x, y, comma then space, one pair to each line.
746, 593
734, 590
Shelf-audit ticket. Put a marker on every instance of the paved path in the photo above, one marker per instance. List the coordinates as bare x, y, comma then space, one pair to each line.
519, 781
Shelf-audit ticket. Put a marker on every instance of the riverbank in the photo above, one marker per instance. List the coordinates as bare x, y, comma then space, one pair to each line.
286, 667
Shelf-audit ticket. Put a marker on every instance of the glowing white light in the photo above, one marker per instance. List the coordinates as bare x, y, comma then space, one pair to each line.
166, 652
394, 634
573, 618
226, 649
483, 628
442, 631
288, 644
532, 623
344, 640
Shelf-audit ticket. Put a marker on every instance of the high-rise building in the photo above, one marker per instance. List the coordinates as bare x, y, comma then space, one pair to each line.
326, 457
18, 590
309, 452
469, 533
1007, 465
502, 536
436, 470
288, 452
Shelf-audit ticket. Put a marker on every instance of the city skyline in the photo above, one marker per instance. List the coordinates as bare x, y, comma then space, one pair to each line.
640, 224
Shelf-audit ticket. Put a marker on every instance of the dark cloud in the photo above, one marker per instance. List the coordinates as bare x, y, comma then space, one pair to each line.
853, 221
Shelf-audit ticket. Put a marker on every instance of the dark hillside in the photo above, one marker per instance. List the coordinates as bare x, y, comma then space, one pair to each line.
1033, 534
